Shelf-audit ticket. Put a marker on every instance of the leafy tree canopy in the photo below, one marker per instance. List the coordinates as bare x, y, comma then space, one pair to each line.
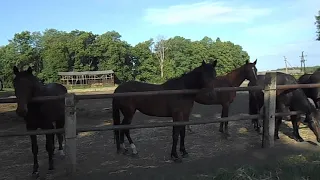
153, 61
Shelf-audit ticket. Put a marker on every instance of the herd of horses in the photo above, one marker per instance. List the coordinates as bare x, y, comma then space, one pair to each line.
50, 114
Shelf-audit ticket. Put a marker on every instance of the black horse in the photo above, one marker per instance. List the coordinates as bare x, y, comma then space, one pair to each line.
313, 93
293, 100
176, 106
42, 114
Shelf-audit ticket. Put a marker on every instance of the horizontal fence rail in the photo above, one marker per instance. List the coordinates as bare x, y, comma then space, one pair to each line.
267, 113
154, 125
164, 92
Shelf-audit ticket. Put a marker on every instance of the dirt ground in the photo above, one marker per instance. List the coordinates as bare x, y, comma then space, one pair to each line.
96, 151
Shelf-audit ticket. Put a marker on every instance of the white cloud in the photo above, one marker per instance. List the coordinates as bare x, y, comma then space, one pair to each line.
205, 12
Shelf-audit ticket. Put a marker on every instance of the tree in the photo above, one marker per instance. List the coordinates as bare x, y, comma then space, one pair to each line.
53, 51
160, 48
112, 53
146, 65
318, 25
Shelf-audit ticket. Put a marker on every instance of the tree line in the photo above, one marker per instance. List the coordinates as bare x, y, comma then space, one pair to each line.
153, 60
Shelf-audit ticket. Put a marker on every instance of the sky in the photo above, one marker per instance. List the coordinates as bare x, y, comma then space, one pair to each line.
267, 30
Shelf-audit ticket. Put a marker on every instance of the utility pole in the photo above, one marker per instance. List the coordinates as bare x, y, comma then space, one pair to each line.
286, 63
303, 64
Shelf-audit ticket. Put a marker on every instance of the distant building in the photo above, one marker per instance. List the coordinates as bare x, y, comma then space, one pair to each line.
87, 78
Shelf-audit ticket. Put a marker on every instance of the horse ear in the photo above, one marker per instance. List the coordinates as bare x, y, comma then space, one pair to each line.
255, 62
29, 70
247, 61
214, 64
15, 70
203, 63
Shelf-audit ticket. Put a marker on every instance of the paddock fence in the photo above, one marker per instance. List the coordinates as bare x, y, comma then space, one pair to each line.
267, 114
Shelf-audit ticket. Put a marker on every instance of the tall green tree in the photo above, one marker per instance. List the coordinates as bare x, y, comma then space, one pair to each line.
112, 53
56, 54
146, 65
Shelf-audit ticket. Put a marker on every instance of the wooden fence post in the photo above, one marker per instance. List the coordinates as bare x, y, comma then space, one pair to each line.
71, 132
270, 85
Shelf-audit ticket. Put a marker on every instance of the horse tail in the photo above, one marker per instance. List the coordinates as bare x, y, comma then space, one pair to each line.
116, 121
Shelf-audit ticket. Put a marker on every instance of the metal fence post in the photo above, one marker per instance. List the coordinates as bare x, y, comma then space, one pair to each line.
71, 132
270, 91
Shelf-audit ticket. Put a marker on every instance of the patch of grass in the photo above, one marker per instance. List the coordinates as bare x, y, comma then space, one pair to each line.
294, 167
6, 92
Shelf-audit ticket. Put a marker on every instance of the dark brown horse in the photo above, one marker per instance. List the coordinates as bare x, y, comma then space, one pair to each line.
313, 93
177, 106
39, 114
233, 79
287, 100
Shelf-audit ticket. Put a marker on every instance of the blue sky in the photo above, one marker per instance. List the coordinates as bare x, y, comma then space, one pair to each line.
267, 30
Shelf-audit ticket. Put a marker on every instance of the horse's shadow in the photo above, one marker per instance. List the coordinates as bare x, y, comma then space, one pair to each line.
288, 131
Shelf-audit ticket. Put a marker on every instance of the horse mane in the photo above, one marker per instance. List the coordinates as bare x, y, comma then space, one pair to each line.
174, 80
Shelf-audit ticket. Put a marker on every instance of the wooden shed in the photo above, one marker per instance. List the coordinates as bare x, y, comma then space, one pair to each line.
87, 78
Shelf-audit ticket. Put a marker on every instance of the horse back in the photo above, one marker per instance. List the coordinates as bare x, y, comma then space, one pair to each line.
159, 105
43, 113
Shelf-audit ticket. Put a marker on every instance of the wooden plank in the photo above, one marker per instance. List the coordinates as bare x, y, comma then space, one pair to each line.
71, 133
269, 109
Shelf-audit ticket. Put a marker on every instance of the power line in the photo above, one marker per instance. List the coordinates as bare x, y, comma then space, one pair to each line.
285, 62
303, 62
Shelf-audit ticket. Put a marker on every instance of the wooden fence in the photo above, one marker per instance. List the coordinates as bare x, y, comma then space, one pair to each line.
268, 114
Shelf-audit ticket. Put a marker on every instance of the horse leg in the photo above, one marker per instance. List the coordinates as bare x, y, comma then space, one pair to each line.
182, 146
276, 129
34, 147
253, 110
281, 108
49, 148
295, 123
128, 116
60, 138
175, 137
132, 145
225, 112
123, 146
189, 129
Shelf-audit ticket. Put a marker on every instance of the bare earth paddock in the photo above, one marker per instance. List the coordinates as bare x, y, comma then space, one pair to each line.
96, 151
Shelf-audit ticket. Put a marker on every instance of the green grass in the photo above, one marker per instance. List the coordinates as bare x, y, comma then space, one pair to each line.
294, 167
6, 92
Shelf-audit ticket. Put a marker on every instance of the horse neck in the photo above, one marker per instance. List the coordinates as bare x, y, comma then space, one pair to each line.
235, 77
39, 89
186, 81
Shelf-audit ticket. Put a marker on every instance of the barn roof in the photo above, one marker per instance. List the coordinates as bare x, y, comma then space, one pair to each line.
85, 73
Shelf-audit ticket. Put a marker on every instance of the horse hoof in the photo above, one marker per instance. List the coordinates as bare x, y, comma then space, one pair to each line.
227, 136
276, 137
299, 139
185, 155
176, 159
61, 153
221, 130
119, 151
35, 175
135, 155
